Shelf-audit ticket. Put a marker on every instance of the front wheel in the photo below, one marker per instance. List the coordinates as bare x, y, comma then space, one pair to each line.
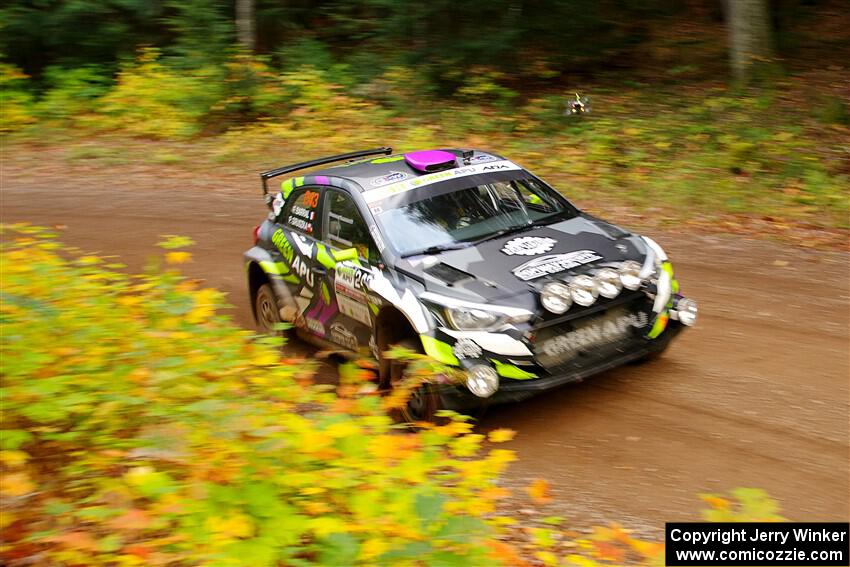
424, 401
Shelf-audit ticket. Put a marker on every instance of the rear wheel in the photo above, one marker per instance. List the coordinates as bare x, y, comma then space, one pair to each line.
265, 306
424, 400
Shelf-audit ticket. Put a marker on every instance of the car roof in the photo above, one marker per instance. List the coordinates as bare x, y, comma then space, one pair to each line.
365, 172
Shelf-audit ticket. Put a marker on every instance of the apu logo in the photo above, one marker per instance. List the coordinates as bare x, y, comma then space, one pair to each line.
528, 246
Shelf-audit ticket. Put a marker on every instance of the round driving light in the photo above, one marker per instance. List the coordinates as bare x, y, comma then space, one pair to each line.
555, 297
687, 310
608, 282
483, 381
630, 275
583, 290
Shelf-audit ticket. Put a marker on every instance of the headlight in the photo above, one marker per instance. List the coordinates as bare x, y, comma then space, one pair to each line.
630, 275
466, 316
471, 319
608, 282
483, 381
583, 290
687, 310
555, 297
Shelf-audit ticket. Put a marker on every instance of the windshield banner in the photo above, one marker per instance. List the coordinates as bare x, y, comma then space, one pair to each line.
380, 193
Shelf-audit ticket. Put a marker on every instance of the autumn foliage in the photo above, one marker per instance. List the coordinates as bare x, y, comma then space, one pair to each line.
140, 427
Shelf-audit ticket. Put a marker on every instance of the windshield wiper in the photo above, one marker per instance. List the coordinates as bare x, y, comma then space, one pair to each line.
505, 231
437, 248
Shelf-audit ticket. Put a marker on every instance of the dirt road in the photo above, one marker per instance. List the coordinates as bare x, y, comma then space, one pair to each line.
755, 395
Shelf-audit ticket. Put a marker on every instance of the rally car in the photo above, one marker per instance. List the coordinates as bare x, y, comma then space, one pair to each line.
467, 257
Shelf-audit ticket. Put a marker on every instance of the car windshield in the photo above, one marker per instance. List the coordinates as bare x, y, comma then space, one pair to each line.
469, 215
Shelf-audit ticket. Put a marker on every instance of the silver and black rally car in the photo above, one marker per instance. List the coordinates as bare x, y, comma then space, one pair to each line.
467, 257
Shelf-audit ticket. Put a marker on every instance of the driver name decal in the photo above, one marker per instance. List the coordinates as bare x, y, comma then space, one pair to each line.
528, 245
554, 263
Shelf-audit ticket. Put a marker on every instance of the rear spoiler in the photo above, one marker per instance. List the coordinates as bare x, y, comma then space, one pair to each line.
266, 175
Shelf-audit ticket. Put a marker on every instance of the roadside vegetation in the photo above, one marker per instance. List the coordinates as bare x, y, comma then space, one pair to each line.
685, 127
675, 153
140, 427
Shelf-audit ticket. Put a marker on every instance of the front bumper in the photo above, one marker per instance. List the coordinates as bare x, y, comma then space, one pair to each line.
459, 398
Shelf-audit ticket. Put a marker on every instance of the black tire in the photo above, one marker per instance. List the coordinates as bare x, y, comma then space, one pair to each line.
267, 310
424, 402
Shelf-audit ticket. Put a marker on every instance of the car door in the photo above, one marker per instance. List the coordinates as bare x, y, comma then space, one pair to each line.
296, 244
347, 237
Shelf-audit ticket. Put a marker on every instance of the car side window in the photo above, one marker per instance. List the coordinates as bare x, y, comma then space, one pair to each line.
346, 228
301, 211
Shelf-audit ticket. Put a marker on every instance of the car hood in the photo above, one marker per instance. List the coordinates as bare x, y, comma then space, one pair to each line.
516, 264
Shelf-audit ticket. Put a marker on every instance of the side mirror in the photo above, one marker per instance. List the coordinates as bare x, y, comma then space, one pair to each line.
346, 255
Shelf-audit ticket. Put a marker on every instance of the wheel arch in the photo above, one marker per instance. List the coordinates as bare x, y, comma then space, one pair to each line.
393, 326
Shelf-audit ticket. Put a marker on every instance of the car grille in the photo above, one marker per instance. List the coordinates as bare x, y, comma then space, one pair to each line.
576, 342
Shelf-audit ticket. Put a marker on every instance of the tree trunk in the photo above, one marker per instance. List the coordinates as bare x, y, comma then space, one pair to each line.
750, 37
245, 24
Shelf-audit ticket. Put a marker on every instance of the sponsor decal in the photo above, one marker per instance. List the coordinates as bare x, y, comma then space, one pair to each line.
392, 177
277, 204
380, 193
466, 348
354, 309
315, 326
300, 268
350, 285
279, 240
482, 158
342, 336
376, 236
606, 330
528, 245
554, 263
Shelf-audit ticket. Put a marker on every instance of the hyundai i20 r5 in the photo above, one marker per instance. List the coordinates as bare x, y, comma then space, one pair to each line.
467, 257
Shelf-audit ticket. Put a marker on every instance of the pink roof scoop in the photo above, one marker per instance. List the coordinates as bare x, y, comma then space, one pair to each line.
430, 160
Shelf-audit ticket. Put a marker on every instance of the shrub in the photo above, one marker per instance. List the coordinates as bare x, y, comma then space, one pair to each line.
152, 99
15, 99
141, 428
71, 93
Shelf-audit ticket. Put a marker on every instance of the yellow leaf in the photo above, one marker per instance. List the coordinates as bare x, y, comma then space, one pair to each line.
539, 491
13, 458
88, 260
16, 484
501, 435
179, 257
234, 526
716, 502
372, 548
